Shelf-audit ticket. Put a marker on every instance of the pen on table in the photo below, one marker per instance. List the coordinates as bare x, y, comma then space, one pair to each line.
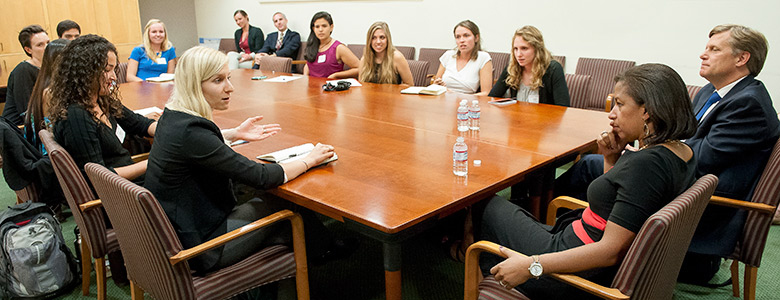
238, 142
294, 155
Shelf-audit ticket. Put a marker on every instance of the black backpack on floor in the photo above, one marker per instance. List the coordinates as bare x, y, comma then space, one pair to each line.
35, 262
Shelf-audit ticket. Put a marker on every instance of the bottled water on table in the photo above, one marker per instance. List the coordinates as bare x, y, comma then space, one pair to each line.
474, 114
463, 116
460, 157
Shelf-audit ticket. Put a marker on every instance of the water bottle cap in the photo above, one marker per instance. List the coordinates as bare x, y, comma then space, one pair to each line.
460, 139
475, 102
464, 102
477, 162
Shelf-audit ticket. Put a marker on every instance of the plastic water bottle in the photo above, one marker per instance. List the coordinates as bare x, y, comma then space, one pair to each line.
460, 157
474, 112
463, 116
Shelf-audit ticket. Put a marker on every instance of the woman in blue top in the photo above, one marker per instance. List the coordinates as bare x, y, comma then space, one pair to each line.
156, 56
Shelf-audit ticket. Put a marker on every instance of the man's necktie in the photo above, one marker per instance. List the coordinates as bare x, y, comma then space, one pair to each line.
714, 98
279, 41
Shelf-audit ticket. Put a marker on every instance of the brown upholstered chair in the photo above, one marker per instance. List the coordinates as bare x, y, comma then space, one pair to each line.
561, 59
28, 193
298, 62
431, 55
649, 269
419, 70
121, 73
761, 209
693, 90
579, 89
602, 72
278, 64
227, 45
357, 49
157, 264
407, 51
96, 240
500, 62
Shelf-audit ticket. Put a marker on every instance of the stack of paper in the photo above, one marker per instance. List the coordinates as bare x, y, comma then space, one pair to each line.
162, 78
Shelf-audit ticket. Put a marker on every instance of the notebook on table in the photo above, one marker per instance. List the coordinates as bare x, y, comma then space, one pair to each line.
433, 89
293, 154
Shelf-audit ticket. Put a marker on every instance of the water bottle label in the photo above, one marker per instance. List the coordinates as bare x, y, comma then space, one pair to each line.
460, 155
463, 116
474, 114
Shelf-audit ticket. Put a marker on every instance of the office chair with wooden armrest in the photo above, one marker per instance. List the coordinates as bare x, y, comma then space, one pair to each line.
761, 209
96, 240
156, 260
663, 237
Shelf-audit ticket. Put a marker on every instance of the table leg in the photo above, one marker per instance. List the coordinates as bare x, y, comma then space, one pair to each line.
548, 184
392, 257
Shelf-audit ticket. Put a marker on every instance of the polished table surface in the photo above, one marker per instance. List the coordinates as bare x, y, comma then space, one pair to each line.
394, 170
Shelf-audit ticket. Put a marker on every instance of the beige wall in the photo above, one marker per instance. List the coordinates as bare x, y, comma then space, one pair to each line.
672, 32
179, 19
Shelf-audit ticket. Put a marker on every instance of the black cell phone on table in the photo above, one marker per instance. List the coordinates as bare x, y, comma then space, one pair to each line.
503, 101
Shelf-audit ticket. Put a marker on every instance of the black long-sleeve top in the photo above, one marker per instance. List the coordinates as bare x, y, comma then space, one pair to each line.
88, 140
20, 84
190, 172
553, 90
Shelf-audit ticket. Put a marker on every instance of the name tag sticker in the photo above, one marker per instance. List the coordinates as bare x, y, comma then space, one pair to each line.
160, 60
321, 59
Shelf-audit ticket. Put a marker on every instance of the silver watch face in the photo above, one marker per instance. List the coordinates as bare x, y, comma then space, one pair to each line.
536, 269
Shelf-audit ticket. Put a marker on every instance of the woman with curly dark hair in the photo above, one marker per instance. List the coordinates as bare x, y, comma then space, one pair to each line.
86, 110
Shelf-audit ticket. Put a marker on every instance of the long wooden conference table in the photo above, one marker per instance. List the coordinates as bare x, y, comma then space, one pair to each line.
393, 178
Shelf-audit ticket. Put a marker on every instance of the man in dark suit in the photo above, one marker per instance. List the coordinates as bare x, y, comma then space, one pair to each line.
738, 127
282, 43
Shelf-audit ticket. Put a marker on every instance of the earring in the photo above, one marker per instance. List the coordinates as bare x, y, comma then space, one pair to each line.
647, 130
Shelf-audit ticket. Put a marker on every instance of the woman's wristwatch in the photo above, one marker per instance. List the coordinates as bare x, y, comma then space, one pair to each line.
536, 267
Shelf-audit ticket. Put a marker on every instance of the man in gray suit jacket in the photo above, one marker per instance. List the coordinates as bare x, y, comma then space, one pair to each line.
286, 46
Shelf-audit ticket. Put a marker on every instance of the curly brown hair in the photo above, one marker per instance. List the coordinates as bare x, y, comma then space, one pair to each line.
78, 76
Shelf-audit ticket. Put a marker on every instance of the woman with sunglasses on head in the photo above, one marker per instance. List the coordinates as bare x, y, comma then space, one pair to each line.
381, 62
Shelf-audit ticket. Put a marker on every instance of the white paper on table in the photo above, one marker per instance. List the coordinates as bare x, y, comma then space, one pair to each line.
352, 81
162, 78
283, 78
148, 110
